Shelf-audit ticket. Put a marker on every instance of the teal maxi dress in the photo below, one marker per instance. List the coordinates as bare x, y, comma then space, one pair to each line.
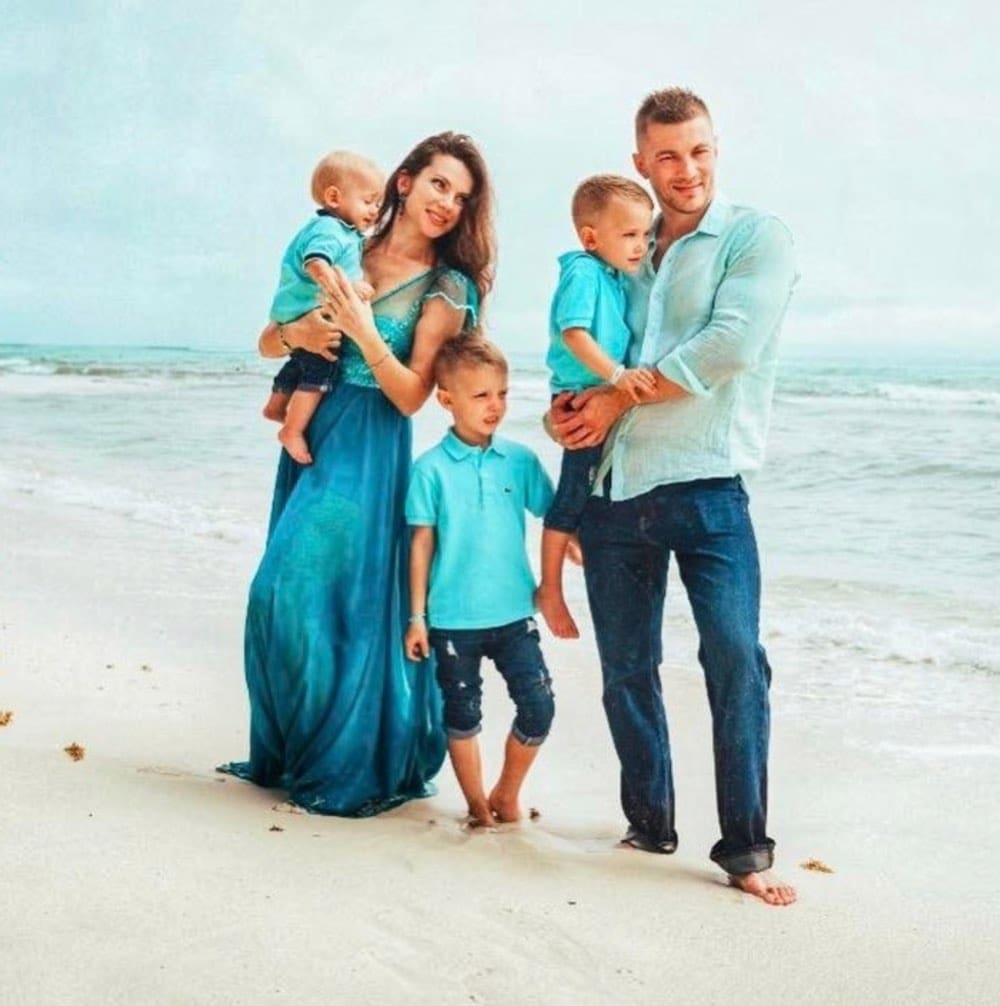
339, 718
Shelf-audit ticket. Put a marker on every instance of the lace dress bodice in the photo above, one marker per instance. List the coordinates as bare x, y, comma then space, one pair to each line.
396, 314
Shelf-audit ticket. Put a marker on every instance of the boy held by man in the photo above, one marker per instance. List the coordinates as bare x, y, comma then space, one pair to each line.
471, 586
348, 190
589, 341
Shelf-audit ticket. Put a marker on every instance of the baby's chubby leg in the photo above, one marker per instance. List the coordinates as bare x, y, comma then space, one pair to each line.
276, 406
301, 407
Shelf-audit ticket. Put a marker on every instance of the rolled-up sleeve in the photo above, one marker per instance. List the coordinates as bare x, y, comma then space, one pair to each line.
749, 304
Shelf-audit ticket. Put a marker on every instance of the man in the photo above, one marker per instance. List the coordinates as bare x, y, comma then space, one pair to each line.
705, 309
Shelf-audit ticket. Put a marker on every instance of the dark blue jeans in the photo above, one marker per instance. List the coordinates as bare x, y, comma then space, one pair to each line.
576, 476
627, 547
515, 651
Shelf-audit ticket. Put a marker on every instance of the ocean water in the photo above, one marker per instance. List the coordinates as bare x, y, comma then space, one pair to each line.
878, 511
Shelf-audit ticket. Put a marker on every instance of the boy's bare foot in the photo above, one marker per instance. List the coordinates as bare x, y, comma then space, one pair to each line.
766, 886
480, 815
505, 808
296, 445
557, 617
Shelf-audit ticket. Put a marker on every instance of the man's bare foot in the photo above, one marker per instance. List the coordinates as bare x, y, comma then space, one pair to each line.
296, 445
505, 808
766, 886
557, 617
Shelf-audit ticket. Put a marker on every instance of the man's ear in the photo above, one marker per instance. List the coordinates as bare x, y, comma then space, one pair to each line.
640, 164
588, 237
331, 196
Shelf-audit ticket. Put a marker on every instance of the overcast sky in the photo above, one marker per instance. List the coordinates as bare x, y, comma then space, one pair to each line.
156, 157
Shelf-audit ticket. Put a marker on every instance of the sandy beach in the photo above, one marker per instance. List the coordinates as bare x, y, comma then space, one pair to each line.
139, 875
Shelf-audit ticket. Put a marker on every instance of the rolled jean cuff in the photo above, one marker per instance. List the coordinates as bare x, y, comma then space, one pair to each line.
523, 738
752, 860
455, 734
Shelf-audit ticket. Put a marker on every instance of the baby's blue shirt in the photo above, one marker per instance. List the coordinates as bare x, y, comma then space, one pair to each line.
327, 237
475, 498
591, 295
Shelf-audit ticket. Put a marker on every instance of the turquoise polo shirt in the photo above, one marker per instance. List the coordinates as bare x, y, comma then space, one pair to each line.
475, 499
327, 237
708, 318
591, 295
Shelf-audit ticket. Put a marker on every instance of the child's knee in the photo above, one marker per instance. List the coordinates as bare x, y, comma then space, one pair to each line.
536, 709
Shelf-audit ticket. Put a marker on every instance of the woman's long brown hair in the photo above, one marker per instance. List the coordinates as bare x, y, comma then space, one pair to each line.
471, 245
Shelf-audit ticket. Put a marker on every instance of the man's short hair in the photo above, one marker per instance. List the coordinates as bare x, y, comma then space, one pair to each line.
339, 167
593, 195
672, 104
471, 351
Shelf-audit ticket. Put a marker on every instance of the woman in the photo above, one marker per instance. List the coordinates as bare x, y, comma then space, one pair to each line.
339, 718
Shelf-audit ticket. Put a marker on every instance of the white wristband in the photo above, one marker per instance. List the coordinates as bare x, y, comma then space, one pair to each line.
616, 374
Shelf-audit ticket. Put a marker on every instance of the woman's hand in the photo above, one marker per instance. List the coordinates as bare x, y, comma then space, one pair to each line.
584, 420
348, 312
312, 332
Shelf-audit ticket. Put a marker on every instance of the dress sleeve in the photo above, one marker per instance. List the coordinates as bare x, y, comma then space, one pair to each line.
460, 292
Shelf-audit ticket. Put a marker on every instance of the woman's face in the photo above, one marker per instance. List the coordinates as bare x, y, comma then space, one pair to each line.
436, 195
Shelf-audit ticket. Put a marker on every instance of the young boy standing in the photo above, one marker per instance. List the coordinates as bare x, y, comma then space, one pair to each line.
589, 339
471, 586
347, 188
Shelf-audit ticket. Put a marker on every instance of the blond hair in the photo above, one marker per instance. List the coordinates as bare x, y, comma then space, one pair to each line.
593, 195
340, 167
472, 351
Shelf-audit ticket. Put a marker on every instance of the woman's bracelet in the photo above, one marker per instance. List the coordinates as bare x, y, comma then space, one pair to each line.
381, 360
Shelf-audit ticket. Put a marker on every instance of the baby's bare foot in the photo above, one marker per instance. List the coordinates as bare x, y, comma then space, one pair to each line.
766, 886
505, 808
296, 445
557, 617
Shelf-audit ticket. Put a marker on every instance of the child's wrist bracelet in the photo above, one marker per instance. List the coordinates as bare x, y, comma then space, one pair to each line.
616, 374
418, 618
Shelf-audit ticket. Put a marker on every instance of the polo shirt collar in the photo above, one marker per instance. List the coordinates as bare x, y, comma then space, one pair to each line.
460, 450
324, 212
569, 256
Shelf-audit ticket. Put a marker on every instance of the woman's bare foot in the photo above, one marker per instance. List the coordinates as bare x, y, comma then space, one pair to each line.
296, 445
766, 886
505, 808
557, 617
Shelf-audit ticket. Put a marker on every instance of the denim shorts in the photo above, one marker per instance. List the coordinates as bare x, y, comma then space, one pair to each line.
306, 372
515, 650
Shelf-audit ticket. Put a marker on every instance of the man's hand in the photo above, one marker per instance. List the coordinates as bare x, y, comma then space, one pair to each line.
584, 420
416, 643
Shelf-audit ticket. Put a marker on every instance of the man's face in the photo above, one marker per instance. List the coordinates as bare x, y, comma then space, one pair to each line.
678, 159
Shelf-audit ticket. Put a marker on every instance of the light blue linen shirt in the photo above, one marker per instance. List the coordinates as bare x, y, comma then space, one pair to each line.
707, 319
590, 295
327, 237
475, 498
